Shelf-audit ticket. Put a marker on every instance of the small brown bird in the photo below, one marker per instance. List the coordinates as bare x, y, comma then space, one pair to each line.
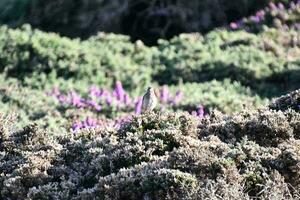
149, 100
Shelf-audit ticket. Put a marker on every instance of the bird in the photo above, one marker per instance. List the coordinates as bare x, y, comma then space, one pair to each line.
149, 100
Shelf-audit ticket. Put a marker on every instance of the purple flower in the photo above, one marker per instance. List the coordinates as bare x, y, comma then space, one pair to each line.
164, 94
89, 122
255, 19
234, 25
76, 99
260, 14
121, 121
127, 100
200, 111
281, 6
108, 100
95, 91
138, 106
62, 99
272, 6
105, 93
77, 125
119, 91
93, 104
178, 97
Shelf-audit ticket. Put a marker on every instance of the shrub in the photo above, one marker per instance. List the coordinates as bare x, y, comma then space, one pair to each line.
157, 156
37, 56
220, 54
279, 16
267, 63
226, 96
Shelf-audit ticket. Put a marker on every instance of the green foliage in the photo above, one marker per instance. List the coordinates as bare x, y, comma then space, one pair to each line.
240, 56
37, 57
226, 96
268, 63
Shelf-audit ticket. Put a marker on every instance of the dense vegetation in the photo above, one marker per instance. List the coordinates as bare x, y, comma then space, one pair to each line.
160, 156
70, 109
141, 19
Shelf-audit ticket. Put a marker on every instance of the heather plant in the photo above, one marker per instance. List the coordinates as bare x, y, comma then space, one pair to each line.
116, 104
162, 155
279, 16
59, 110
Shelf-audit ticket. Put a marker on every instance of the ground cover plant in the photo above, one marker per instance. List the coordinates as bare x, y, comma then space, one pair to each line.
227, 123
166, 155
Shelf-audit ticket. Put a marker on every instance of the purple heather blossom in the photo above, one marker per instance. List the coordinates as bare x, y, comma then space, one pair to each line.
89, 122
178, 97
255, 19
95, 91
105, 93
200, 111
108, 100
118, 123
138, 106
76, 100
127, 99
94, 123
62, 99
164, 94
119, 91
260, 14
76, 126
93, 104
99, 98
234, 25
272, 6
281, 6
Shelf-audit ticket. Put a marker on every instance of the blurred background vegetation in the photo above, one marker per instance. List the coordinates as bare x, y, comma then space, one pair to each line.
141, 19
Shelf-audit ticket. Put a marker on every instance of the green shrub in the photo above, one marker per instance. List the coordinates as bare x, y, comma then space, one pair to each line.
226, 96
34, 56
267, 63
219, 55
